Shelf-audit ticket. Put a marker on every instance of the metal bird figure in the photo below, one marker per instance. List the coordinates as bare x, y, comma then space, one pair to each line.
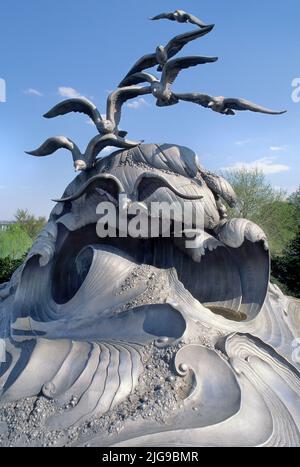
86, 160
181, 17
98, 143
54, 143
163, 54
115, 101
162, 89
225, 106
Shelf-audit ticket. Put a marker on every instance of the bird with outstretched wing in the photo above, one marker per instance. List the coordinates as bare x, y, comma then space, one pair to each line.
118, 97
86, 160
225, 106
161, 89
181, 17
128, 89
55, 143
105, 125
163, 54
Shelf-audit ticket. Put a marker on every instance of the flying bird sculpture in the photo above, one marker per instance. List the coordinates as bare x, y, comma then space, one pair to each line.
181, 17
105, 125
82, 161
225, 106
163, 54
129, 88
161, 89
54, 143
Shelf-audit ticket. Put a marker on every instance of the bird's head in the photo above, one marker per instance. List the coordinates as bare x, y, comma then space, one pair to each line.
179, 13
161, 56
156, 90
217, 104
80, 165
108, 126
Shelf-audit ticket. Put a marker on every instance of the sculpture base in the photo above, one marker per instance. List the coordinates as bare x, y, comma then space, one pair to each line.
217, 387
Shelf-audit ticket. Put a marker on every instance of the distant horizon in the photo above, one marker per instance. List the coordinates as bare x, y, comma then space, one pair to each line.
48, 61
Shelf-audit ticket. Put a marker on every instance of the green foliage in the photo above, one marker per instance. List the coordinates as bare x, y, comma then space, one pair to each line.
295, 198
287, 267
253, 192
30, 224
283, 287
17, 240
259, 202
14, 242
8, 267
279, 217
279, 221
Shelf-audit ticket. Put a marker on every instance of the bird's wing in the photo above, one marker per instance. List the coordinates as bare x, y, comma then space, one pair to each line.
147, 61
77, 104
117, 98
178, 42
53, 144
196, 98
98, 143
242, 104
194, 20
173, 67
138, 78
169, 16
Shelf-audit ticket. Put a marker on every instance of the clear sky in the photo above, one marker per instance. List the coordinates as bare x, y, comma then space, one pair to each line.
88, 45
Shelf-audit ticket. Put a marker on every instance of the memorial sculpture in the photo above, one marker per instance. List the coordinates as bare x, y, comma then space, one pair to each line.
148, 339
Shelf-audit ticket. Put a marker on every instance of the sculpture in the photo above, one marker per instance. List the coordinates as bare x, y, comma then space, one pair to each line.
181, 17
161, 88
226, 106
162, 54
146, 340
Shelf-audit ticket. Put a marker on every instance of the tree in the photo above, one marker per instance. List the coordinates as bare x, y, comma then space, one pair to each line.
30, 224
253, 192
8, 267
295, 198
287, 268
14, 242
17, 240
259, 202
280, 222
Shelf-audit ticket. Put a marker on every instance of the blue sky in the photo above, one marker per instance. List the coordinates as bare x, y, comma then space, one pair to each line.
47, 46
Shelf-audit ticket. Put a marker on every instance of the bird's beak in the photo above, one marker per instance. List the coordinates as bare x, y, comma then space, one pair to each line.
79, 165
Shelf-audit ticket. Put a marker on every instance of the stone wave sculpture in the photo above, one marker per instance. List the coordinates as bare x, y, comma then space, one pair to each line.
142, 340
141, 331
